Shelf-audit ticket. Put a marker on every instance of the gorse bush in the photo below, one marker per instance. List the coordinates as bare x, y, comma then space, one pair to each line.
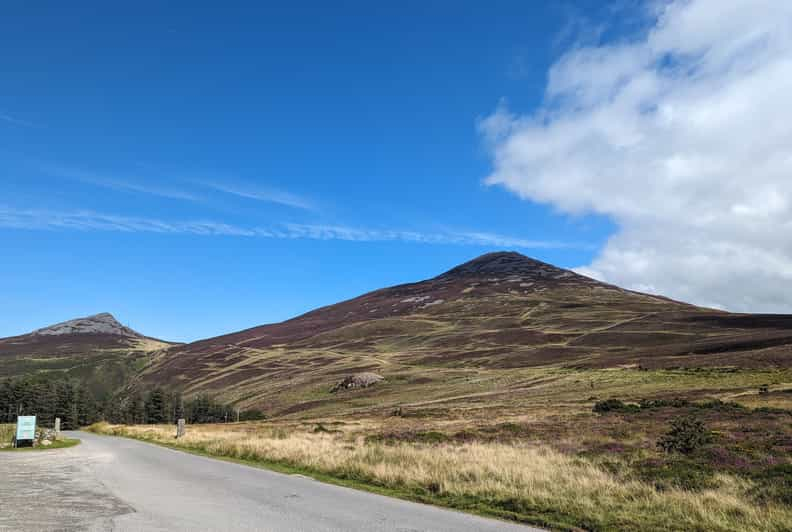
253, 414
721, 406
686, 435
614, 405
608, 405
663, 403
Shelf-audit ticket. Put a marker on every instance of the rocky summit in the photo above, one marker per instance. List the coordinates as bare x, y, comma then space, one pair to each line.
103, 323
509, 263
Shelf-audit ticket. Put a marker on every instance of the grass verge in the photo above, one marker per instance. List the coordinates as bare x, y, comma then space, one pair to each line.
57, 444
527, 483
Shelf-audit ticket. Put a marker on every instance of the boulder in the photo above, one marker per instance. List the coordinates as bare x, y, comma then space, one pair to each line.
358, 380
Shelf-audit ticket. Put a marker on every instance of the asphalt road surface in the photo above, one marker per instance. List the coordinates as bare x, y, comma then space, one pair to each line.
109, 483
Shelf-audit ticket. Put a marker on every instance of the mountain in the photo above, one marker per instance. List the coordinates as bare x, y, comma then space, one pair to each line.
103, 323
97, 350
483, 327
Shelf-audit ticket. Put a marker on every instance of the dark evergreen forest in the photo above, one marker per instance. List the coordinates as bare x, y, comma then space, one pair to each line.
77, 407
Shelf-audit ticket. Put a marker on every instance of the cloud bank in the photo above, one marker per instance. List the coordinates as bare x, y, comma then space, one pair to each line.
683, 137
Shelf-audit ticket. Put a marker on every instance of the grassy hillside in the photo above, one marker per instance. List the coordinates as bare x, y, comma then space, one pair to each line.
495, 336
97, 351
104, 364
509, 387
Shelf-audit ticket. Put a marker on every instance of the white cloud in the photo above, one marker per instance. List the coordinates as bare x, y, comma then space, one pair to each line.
84, 220
683, 137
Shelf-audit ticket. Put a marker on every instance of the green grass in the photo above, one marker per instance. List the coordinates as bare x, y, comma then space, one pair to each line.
7, 436
57, 444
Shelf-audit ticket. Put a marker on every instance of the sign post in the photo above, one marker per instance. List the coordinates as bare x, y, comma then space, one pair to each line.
25, 431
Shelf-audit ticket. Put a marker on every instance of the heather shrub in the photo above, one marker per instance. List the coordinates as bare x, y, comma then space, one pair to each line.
685, 436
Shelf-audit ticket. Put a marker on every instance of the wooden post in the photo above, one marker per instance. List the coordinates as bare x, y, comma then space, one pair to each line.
180, 428
57, 428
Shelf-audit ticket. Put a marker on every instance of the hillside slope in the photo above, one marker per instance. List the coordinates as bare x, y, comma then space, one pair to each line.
96, 350
470, 335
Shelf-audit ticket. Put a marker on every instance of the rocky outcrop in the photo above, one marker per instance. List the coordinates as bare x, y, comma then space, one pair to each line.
103, 323
358, 380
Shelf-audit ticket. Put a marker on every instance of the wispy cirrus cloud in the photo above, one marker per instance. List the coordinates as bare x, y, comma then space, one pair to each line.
5, 117
185, 190
335, 232
259, 193
120, 184
358, 234
84, 220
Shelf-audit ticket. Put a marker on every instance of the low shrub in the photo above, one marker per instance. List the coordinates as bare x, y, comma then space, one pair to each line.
685, 436
773, 485
393, 438
677, 402
676, 473
252, 415
717, 404
614, 405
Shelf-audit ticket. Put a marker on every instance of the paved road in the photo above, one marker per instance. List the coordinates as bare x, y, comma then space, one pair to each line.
119, 484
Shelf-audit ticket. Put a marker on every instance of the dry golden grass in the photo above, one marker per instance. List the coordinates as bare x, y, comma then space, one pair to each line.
526, 482
7, 432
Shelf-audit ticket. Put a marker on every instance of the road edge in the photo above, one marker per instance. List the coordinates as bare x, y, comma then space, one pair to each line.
473, 507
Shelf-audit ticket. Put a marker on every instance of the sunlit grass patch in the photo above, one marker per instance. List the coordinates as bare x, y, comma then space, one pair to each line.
7, 432
529, 483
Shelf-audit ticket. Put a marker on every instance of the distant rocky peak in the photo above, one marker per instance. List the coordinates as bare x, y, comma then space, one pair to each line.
103, 323
506, 264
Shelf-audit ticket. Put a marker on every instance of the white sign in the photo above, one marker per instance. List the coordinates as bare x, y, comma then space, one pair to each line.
26, 428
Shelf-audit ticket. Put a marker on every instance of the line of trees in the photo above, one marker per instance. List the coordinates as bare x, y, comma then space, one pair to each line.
158, 406
76, 407
47, 400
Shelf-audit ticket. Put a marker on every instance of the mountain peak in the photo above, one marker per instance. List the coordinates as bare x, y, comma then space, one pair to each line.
504, 263
103, 323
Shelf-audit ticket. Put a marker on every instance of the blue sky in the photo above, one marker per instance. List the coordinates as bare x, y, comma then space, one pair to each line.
198, 168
